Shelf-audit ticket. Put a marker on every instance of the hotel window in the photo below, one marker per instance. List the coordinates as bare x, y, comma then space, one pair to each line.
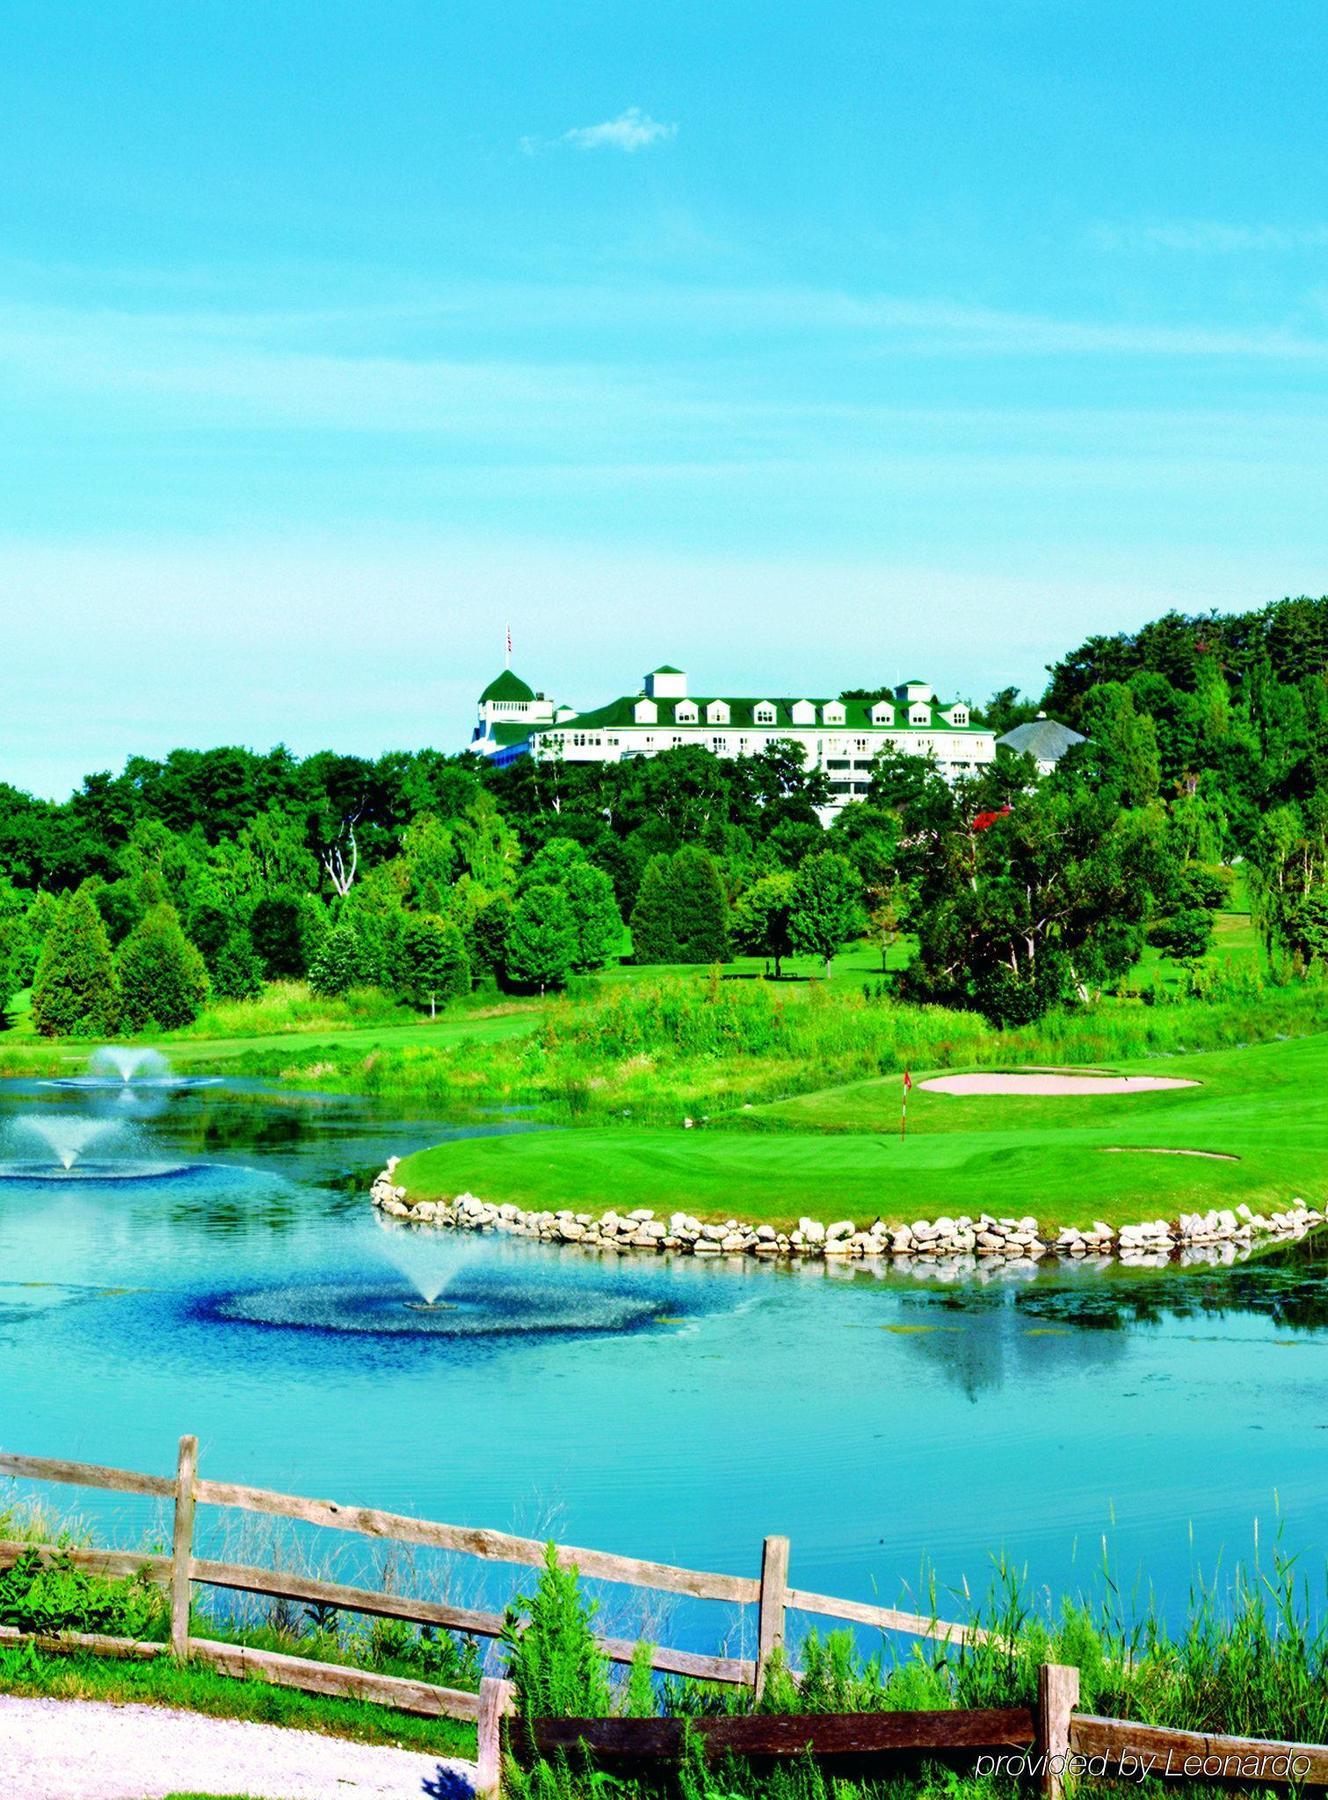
764, 715
861, 745
717, 745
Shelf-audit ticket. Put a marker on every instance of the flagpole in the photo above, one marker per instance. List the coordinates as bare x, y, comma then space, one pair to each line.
903, 1105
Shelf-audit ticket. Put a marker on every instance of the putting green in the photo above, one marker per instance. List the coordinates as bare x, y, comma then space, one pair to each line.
837, 1153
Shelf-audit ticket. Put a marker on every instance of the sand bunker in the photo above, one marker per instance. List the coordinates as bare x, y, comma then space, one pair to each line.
1163, 1150
1041, 1082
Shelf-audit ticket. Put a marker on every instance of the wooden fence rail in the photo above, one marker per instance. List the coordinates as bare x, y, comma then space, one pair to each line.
1051, 1736
769, 1592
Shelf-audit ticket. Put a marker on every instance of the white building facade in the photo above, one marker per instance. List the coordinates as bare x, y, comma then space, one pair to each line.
842, 737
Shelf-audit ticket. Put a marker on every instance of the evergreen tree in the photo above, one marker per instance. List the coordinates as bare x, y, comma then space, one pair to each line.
700, 913
237, 973
163, 979
595, 913
75, 993
337, 963
432, 963
654, 931
542, 944
825, 906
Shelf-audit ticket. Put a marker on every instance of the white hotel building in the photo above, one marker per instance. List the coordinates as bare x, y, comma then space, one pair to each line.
840, 736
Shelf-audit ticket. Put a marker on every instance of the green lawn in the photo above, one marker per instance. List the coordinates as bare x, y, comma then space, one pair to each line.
837, 1153
22, 1050
163, 1682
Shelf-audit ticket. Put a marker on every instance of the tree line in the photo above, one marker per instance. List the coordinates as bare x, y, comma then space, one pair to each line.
210, 873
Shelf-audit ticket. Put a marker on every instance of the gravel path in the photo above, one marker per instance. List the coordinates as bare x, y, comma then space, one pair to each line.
89, 1750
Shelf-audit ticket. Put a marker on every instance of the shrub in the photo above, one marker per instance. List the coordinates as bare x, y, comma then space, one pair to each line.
1185, 936
57, 1596
553, 1661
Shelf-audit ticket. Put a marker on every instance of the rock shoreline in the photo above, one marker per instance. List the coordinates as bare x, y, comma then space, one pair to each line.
961, 1243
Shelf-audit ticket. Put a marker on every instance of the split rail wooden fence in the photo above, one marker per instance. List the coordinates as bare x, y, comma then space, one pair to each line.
769, 1592
1048, 1737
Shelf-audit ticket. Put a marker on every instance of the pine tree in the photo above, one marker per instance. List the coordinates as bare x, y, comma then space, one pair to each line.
75, 993
542, 942
163, 979
237, 973
700, 912
654, 930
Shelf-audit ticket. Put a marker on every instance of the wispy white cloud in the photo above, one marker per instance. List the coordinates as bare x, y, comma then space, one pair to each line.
631, 131
1211, 237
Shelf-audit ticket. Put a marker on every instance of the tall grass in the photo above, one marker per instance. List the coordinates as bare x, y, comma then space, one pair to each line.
650, 1050
1248, 1658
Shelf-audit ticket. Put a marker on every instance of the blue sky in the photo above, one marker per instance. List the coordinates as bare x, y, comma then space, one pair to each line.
816, 344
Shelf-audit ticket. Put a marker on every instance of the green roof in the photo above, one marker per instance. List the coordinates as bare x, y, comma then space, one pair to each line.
503, 735
507, 686
666, 669
742, 713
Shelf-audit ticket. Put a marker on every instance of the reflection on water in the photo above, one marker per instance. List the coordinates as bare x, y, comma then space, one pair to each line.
675, 1410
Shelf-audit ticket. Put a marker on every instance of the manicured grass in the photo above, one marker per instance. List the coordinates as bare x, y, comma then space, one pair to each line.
196, 1688
837, 1153
21, 1054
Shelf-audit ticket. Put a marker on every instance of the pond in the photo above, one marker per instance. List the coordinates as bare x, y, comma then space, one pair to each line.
232, 1280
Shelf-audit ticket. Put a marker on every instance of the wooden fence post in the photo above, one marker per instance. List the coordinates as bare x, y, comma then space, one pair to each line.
182, 1547
774, 1589
1058, 1695
496, 1698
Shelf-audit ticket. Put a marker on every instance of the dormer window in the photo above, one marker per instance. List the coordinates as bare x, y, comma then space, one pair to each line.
882, 713
919, 715
763, 713
832, 713
803, 712
959, 716
684, 713
717, 712
645, 712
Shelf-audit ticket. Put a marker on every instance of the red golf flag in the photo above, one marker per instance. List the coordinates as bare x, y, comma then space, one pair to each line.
903, 1104
908, 1081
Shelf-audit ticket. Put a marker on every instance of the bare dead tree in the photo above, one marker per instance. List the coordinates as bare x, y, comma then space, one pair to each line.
339, 872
